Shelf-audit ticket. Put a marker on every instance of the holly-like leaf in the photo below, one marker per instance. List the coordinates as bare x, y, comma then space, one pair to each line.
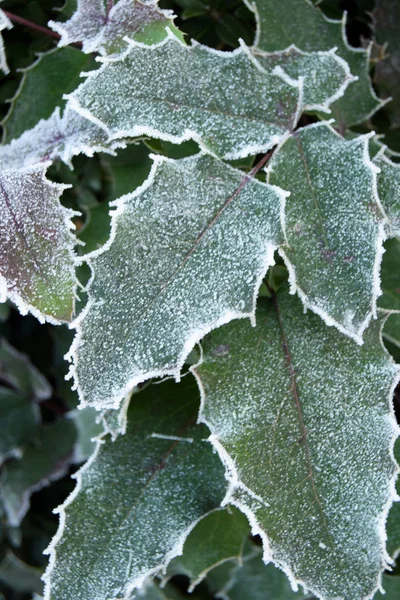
390, 298
37, 262
19, 419
136, 499
389, 190
42, 87
294, 408
46, 459
299, 23
386, 19
334, 225
17, 370
177, 92
101, 26
216, 539
87, 429
5, 23
187, 253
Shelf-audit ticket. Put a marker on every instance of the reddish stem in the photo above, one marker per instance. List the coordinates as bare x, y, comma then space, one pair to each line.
34, 26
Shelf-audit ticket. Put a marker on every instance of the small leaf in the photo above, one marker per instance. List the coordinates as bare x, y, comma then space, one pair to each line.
17, 370
19, 419
137, 499
390, 298
37, 262
299, 23
102, 26
389, 190
87, 428
187, 253
19, 576
334, 226
294, 408
45, 460
216, 539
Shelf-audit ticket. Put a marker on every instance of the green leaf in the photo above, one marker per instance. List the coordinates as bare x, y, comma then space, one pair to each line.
45, 460
390, 298
177, 92
17, 370
299, 23
137, 499
102, 27
187, 252
42, 87
5, 23
334, 227
19, 418
19, 576
87, 428
37, 261
393, 522
386, 18
216, 539
389, 190
294, 408
391, 585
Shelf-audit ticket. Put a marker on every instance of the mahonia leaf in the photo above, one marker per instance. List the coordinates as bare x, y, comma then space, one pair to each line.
177, 92
42, 87
386, 18
294, 408
101, 26
278, 27
334, 225
37, 262
217, 538
19, 419
136, 499
389, 190
5, 23
87, 428
45, 460
17, 370
187, 252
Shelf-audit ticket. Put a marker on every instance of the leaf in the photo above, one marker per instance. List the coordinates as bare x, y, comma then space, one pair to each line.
391, 585
393, 522
116, 530
5, 23
42, 87
19, 419
294, 408
389, 191
386, 18
102, 27
216, 539
37, 261
279, 27
19, 576
390, 298
17, 370
334, 226
187, 252
44, 461
87, 428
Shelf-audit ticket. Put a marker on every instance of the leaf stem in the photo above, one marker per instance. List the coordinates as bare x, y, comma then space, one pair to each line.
31, 25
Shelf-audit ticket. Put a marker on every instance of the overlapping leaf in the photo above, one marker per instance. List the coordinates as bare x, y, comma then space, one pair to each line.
177, 92
36, 245
101, 26
334, 225
5, 23
137, 499
187, 253
302, 418
298, 22
389, 190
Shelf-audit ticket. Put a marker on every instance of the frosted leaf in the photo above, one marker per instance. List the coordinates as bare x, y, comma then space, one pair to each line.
101, 26
5, 23
17, 370
19, 419
302, 418
278, 27
37, 261
390, 298
389, 190
87, 428
326, 75
333, 225
46, 459
187, 253
137, 499
217, 538
393, 521
55, 137
223, 100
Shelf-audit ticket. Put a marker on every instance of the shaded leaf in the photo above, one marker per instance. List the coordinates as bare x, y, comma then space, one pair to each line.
19, 419
390, 298
389, 190
334, 226
112, 537
391, 585
393, 522
294, 408
187, 253
87, 428
17, 370
19, 576
37, 262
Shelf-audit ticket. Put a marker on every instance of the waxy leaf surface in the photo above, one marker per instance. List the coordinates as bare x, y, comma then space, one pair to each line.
137, 499
334, 226
302, 418
187, 252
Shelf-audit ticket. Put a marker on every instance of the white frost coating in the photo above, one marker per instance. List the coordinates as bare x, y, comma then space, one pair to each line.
5, 23
213, 213
103, 30
37, 257
331, 261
